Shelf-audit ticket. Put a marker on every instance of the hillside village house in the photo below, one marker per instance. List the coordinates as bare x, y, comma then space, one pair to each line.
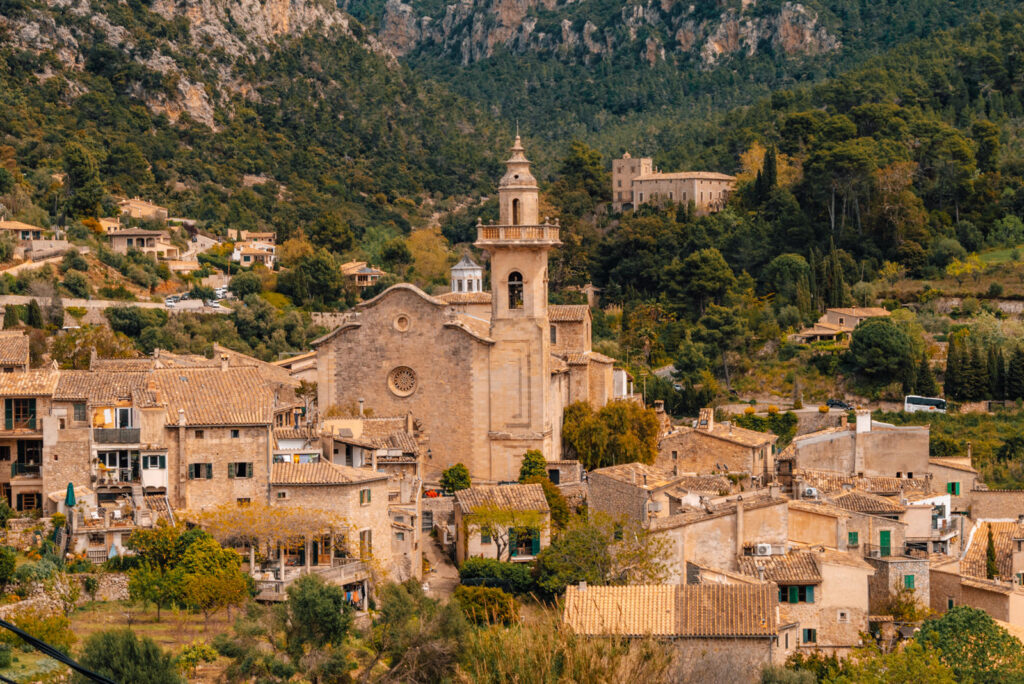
14, 351
22, 231
837, 323
137, 208
712, 447
156, 243
638, 181
251, 252
267, 237
404, 350
707, 624
523, 524
361, 274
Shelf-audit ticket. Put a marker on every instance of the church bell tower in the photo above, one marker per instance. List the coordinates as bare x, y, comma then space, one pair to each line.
523, 412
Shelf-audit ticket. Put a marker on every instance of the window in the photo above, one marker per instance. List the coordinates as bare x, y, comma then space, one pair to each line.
79, 410
910, 476
617, 533
200, 434
154, 462
554, 335
953, 488
515, 290
20, 413
400, 536
428, 521
364, 497
485, 536
950, 603
810, 636
842, 616
675, 455
5, 453
234, 434
908, 581
852, 539
29, 501
620, 185
200, 471
365, 544
282, 495
244, 501
796, 594
240, 470
515, 212
524, 542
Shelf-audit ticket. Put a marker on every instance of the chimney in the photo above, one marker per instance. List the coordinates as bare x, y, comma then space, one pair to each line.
863, 420
362, 404
760, 572
181, 417
582, 586
659, 405
645, 478
970, 450
224, 362
706, 419
633, 473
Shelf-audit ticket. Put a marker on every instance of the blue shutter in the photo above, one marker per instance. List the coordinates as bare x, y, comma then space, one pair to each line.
536, 542
810, 594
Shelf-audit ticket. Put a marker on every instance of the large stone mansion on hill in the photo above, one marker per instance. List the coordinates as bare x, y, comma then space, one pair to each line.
639, 181
486, 374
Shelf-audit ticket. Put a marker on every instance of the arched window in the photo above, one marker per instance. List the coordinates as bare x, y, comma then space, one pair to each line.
515, 290
515, 212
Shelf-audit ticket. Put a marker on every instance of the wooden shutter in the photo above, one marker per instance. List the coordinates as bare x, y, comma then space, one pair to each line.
231, 471
794, 594
9, 414
209, 470
810, 594
248, 469
163, 462
908, 581
535, 542
512, 543
31, 414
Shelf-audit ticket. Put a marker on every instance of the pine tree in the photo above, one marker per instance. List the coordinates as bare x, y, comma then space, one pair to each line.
991, 567
1015, 375
926, 385
11, 316
954, 368
34, 315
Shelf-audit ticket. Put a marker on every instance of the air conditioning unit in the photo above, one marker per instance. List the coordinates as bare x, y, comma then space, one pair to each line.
762, 549
654, 507
811, 493
875, 553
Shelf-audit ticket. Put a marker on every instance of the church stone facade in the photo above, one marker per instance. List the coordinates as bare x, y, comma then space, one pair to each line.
486, 374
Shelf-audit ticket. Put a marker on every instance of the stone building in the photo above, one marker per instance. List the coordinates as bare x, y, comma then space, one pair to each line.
718, 632
713, 447
524, 522
638, 181
138, 208
156, 243
486, 384
14, 351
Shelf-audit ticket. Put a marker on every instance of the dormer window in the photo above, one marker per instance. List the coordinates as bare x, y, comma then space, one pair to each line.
515, 287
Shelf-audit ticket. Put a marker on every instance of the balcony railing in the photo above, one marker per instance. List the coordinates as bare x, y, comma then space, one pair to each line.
544, 233
115, 435
24, 424
878, 551
24, 469
113, 476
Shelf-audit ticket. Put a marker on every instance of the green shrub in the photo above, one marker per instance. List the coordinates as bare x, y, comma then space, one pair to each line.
53, 628
515, 578
487, 605
5, 655
8, 559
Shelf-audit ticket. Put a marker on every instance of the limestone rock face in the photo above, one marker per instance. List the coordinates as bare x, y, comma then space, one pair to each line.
656, 30
220, 34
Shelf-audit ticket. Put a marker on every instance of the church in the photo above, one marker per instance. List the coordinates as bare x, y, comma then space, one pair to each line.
486, 375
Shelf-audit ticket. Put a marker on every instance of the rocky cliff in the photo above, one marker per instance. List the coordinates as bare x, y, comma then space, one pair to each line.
184, 54
654, 30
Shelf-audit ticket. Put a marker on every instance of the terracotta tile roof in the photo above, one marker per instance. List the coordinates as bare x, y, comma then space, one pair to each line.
466, 297
475, 326
404, 441
18, 225
973, 562
381, 427
33, 383
719, 510
320, 473
515, 497
705, 483
567, 313
819, 507
139, 232
861, 311
797, 567
122, 365
863, 502
639, 474
703, 610
726, 432
295, 433
953, 463
14, 348
212, 396
686, 175
583, 358
98, 387
827, 481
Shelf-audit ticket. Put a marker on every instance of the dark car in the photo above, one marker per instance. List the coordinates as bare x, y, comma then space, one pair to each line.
838, 404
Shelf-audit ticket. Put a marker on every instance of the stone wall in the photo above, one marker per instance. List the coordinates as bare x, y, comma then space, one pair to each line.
328, 319
722, 660
989, 504
616, 498
888, 581
113, 586
19, 534
219, 448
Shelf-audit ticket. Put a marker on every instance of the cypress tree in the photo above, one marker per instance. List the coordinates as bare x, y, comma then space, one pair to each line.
34, 315
926, 385
954, 368
1015, 375
996, 373
991, 567
770, 170
978, 374
11, 316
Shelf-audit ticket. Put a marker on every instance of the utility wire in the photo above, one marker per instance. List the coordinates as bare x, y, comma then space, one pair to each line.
49, 650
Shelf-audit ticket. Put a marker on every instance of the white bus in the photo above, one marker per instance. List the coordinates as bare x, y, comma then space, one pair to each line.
913, 403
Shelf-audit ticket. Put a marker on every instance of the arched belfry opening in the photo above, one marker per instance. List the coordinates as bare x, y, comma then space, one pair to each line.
515, 212
515, 290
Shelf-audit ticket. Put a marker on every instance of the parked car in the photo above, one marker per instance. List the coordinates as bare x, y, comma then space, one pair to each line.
838, 404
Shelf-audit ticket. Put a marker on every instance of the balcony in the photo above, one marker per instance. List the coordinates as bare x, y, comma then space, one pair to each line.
115, 435
24, 469
116, 476
22, 426
512, 235
340, 571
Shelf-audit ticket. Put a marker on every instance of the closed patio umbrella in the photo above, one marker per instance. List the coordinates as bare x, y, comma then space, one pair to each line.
69, 500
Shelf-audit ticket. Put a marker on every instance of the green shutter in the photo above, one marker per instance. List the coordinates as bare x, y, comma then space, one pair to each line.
369, 495
794, 594
810, 594
209, 471
512, 543
536, 542
163, 462
956, 489
852, 539
885, 542
908, 581
231, 471
248, 469
9, 414
31, 414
